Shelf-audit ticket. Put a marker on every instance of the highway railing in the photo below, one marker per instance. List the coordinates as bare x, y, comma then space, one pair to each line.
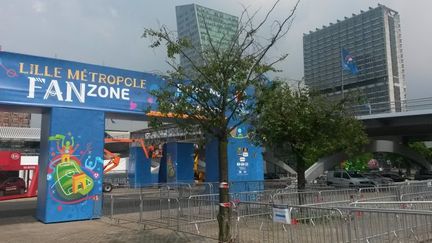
370, 108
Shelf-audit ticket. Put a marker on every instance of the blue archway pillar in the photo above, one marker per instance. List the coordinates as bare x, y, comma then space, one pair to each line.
176, 164
138, 167
70, 165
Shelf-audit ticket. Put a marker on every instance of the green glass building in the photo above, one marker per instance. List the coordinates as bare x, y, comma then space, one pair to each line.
200, 25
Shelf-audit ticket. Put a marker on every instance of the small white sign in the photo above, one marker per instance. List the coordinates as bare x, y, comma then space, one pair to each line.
282, 215
245, 154
242, 159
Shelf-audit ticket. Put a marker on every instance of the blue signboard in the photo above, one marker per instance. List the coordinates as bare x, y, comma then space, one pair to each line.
245, 160
47, 82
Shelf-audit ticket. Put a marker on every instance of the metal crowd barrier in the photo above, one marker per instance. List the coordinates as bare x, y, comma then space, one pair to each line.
325, 213
345, 224
414, 205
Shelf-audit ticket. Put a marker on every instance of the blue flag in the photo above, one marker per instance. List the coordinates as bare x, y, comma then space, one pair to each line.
348, 62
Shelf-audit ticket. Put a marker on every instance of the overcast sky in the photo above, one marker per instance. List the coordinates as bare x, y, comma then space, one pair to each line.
109, 32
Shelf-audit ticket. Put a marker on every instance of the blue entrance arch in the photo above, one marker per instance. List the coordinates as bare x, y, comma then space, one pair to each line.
74, 98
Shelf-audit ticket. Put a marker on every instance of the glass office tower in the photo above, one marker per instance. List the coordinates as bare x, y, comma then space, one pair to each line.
200, 25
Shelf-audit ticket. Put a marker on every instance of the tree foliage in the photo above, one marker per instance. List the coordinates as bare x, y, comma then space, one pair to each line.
421, 148
305, 124
216, 92
358, 162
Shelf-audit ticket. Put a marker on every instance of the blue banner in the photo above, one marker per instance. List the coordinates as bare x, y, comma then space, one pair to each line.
47, 82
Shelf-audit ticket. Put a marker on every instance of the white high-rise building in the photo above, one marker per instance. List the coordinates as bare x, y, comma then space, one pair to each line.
373, 39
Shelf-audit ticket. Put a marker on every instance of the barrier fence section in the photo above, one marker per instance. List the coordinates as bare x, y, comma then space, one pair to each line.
414, 205
283, 223
335, 215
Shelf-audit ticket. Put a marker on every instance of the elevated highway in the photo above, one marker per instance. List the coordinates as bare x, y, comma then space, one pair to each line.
389, 132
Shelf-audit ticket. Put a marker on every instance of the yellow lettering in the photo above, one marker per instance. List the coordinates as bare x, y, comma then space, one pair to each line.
71, 75
128, 82
84, 75
46, 72
120, 79
93, 76
21, 68
36, 70
102, 78
111, 79
143, 83
57, 72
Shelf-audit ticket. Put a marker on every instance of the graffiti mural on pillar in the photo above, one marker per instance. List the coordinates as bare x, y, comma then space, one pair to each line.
171, 168
71, 171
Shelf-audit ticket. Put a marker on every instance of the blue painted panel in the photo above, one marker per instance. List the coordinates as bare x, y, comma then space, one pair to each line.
138, 167
212, 161
71, 165
185, 162
177, 163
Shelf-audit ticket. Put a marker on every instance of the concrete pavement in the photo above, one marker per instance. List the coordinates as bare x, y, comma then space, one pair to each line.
18, 224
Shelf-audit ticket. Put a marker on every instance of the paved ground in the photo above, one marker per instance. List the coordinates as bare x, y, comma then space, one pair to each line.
18, 224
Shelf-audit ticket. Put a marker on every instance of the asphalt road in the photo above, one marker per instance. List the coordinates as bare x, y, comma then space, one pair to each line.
17, 211
24, 210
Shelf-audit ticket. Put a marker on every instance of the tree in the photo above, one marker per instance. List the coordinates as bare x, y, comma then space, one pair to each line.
358, 162
421, 148
216, 95
305, 124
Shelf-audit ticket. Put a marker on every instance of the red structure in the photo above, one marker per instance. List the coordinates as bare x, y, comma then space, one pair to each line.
11, 161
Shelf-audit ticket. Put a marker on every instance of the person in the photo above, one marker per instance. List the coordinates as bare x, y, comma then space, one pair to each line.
151, 151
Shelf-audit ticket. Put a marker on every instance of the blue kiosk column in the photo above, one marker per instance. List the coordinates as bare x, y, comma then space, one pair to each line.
70, 165
177, 163
245, 162
138, 167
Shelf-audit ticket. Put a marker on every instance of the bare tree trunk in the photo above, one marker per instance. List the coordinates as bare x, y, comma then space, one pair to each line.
224, 207
301, 180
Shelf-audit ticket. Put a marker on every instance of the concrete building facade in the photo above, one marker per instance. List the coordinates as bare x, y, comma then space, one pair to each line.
374, 40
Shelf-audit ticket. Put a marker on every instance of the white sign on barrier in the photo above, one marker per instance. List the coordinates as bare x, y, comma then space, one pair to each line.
282, 215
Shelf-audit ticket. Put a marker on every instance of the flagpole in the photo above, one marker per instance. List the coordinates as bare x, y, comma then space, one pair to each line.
342, 76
